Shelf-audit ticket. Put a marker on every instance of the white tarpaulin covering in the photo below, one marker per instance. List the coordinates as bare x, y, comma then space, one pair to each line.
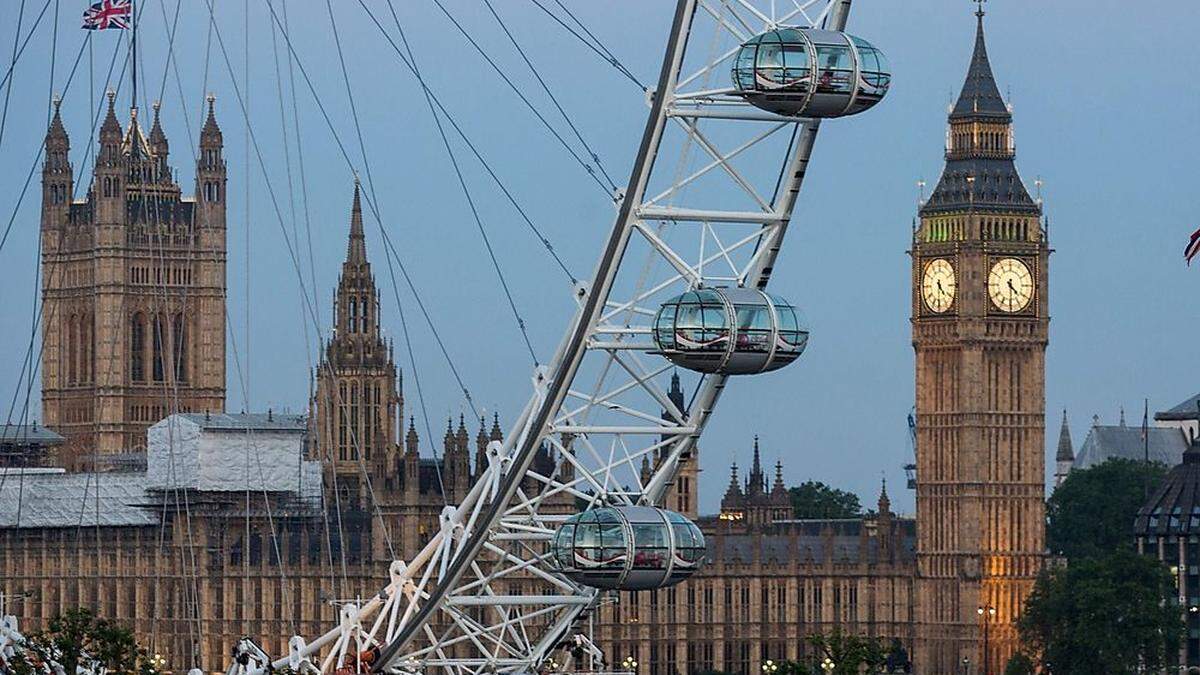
231, 453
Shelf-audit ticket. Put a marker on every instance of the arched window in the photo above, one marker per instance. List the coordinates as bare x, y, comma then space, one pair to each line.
353, 322
88, 345
368, 420
156, 358
343, 424
366, 313
137, 348
181, 348
72, 342
355, 421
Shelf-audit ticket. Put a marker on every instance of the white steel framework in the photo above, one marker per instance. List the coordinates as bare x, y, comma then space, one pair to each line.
483, 596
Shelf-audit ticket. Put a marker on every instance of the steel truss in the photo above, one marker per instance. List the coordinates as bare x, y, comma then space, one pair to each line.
482, 596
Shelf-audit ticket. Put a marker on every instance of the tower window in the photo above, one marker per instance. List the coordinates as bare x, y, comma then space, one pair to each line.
365, 315
353, 322
157, 357
137, 346
181, 350
72, 341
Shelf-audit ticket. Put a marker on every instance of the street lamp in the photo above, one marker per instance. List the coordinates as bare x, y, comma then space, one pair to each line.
157, 662
828, 665
629, 664
966, 664
770, 666
986, 614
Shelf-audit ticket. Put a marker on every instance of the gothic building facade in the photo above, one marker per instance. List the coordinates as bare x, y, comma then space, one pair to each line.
133, 286
980, 320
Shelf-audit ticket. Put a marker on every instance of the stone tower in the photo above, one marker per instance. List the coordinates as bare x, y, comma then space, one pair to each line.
682, 497
357, 408
133, 287
980, 328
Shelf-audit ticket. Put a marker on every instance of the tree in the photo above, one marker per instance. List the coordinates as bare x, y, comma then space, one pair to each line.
849, 653
814, 499
78, 638
1020, 664
1092, 512
1103, 616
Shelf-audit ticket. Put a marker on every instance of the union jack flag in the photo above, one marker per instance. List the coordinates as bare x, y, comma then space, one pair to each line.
108, 14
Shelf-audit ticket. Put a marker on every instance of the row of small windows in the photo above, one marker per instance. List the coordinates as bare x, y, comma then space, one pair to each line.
987, 141
990, 229
79, 349
297, 547
212, 191
173, 275
167, 348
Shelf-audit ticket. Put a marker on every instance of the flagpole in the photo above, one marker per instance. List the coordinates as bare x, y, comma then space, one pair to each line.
133, 43
1146, 442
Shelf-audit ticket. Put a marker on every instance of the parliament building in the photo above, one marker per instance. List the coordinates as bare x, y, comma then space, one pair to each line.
134, 365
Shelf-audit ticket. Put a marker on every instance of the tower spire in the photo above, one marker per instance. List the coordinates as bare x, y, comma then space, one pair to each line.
980, 97
1066, 451
356, 249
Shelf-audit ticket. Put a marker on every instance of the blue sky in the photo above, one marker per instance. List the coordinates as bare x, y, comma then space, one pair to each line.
1106, 111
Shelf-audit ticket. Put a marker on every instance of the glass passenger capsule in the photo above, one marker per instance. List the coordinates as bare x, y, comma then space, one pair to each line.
731, 331
628, 548
807, 72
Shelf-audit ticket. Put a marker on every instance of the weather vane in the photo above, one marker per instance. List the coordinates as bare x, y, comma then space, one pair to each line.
979, 12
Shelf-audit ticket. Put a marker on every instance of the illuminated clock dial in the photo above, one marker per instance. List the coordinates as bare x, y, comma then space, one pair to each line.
1010, 285
938, 285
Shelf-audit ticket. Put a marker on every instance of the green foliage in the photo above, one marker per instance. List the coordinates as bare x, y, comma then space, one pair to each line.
1091, 514
1020, 664
814, 499
1103, 616
79, 637
849, 653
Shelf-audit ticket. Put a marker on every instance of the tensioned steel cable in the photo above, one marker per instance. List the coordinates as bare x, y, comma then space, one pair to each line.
311, 260
550, 94
609, 189
371, 184
387, 240
467, 141
12, 66
12, 62
462, 182
598, 47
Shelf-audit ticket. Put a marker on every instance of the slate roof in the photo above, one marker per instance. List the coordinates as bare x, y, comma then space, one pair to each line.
1106, 442
1175, 506
980, 97
28, 434
1184, 411
53, 498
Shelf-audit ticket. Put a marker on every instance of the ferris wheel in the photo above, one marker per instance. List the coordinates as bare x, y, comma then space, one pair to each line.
521, 561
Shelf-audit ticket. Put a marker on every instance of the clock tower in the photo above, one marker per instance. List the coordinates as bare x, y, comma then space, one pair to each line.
980, 327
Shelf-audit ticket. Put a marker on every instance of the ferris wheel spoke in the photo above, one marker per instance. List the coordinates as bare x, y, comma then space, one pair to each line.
679, 185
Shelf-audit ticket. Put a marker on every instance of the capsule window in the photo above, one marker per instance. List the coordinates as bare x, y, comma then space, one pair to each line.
834, 66
650, 546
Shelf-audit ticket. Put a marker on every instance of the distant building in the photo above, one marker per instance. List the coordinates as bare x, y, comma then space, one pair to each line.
26, 445
1164, 442
1185, 416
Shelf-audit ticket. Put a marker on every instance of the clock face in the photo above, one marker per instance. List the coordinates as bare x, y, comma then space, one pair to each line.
937, 287
1010, 285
